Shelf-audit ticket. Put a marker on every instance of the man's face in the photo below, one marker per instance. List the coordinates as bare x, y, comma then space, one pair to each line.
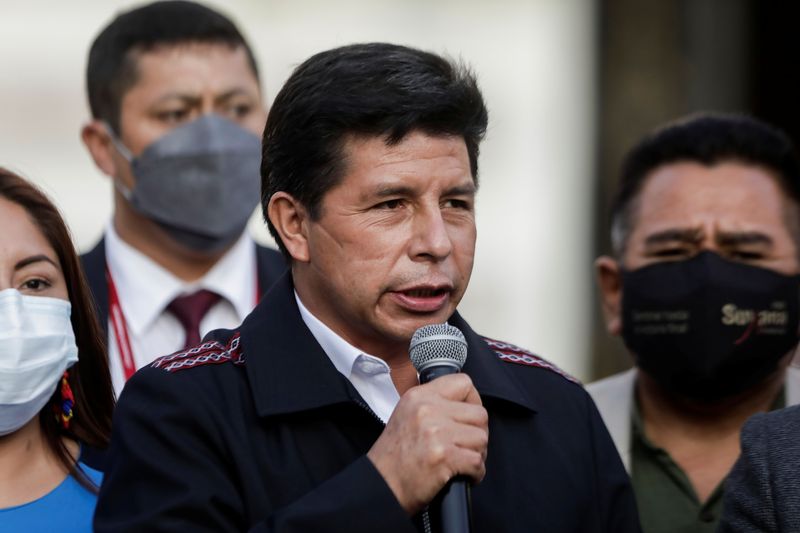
178, 84
734, 209
393, 247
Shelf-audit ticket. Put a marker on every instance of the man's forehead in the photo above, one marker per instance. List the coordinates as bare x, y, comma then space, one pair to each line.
174, 49
694, 187
165, 63
416, 146
730, 196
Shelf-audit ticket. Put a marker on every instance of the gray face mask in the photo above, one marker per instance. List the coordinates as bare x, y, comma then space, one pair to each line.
199, 182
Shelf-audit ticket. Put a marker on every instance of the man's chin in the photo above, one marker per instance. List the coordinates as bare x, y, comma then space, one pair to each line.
414, 323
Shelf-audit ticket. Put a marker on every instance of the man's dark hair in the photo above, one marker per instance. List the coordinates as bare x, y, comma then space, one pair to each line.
707, 139
111, 69
373, 90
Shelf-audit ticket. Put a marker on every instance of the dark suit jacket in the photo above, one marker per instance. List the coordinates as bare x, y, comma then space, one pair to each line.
257, 431
762, 492
270, 265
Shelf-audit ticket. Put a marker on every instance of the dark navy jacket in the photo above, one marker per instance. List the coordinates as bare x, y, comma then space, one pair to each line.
256, 430
270, 265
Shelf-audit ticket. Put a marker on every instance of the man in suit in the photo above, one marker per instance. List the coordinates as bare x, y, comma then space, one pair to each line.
703, 289
177, 112
762, 493
310, 416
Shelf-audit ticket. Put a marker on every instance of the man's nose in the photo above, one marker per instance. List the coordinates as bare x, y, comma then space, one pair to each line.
431, 240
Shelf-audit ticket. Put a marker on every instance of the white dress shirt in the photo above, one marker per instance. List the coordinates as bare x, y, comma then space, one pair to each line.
370, 375
145, 289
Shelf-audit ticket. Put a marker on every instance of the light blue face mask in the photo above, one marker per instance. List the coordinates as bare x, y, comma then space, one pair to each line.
37, 345
199, 182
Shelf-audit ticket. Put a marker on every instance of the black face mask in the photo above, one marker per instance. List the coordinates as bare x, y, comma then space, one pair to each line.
707, 328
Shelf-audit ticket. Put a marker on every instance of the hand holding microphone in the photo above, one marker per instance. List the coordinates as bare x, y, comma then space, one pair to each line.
438, 431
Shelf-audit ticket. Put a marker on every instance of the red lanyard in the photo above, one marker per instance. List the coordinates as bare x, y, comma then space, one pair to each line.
118, 322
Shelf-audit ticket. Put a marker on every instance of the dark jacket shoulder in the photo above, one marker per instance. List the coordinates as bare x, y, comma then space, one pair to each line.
761, 492
510, 353
215, 366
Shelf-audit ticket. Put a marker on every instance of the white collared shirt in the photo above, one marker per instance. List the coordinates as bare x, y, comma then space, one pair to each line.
370, 375
145, 289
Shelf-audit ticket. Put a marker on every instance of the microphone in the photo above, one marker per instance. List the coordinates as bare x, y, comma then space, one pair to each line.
438, 350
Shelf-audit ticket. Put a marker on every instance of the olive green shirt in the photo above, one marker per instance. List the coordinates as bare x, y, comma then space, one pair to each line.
666, 499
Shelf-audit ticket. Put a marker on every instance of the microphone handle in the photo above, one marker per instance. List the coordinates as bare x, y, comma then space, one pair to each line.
454, 497
455, 511
433, 372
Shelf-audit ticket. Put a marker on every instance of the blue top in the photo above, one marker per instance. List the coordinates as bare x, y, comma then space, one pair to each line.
68, 508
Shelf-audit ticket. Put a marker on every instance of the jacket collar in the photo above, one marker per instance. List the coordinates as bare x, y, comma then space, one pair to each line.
287, 369
289, 372
492, 377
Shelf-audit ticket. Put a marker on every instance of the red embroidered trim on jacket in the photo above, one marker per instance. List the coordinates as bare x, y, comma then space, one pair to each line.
514, 354
208, 353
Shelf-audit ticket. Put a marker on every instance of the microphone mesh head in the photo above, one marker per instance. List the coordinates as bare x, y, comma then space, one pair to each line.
438, 344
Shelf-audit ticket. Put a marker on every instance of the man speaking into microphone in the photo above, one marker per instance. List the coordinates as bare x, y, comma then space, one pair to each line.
310, 416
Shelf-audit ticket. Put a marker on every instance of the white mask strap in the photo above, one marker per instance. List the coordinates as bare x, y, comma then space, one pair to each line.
121, 148
124, 152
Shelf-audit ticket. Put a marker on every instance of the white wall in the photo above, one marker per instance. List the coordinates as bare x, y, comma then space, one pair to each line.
535, 64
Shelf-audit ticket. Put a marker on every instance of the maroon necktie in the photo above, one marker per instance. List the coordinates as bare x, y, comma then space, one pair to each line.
190, 310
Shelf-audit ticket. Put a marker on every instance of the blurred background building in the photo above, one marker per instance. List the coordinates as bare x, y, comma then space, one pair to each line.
570, 85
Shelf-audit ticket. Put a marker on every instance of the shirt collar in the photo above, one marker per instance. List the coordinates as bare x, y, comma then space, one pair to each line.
342, 354
145, 288
234, 276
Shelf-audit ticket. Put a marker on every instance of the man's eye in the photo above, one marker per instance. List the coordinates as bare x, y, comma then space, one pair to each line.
674, 252
457, 204
746, 255
394, 203
173, 116
238, 110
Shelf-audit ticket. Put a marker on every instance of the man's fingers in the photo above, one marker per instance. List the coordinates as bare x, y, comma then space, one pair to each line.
469, 463
470, 438
437, 431
455, 387
467, 413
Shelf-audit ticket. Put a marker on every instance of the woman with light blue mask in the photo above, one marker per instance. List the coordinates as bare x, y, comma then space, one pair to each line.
55, 392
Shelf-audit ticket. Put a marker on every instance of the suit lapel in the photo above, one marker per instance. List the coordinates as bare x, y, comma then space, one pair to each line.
94, 267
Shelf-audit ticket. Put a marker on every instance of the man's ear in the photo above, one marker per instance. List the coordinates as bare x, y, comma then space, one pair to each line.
290, 220
609, 280
97, 140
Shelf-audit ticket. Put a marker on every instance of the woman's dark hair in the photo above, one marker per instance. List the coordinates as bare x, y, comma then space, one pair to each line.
89, 377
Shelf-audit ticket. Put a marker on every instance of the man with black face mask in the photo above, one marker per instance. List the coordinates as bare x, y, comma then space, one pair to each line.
177, 115
703, 289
